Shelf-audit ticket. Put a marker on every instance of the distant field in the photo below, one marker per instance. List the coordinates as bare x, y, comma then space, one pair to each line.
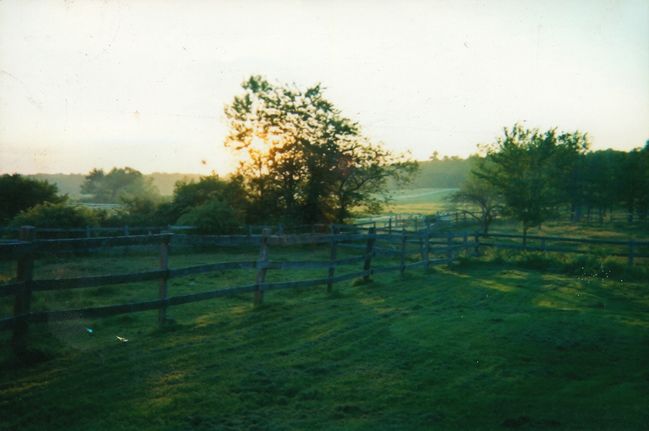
418, 201
472, 346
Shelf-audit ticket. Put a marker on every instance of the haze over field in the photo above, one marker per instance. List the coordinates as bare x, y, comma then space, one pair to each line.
121, 83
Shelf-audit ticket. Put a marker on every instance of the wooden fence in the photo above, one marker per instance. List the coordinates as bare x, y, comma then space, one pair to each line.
28, 249
631, 249
431, 249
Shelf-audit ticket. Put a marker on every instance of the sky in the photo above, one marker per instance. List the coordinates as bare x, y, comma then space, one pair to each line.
142, 83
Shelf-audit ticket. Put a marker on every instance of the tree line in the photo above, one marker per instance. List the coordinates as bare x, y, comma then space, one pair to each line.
305, 162
534, 176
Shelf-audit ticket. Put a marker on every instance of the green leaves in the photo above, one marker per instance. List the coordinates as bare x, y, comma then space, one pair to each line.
306, 161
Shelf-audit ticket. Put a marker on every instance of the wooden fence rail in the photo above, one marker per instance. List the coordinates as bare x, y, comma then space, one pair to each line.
395, 245
631, 249
29, 249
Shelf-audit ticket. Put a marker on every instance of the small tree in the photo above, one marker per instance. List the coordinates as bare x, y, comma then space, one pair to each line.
475, 192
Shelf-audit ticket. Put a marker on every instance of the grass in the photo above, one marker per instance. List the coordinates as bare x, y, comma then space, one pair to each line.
480, 345
418, 201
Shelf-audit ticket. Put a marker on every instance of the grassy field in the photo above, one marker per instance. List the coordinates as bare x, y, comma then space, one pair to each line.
478, 345
418, 201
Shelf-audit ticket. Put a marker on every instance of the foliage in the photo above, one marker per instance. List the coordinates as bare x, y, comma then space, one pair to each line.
307, 162
529, 170
19, 193
478, 193
138, 211
214, 216
118, 185
191, 194
57, 215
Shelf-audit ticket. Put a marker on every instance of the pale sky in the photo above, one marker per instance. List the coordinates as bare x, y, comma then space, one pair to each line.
142, 83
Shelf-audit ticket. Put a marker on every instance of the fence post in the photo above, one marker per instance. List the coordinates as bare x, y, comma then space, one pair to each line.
369, 251
476, 250
332, 261
465, 241
390, 226
402, 268
164, 266
262, 268
543, 246
631, 252
449, 250
426, 257
24, 275
125, 230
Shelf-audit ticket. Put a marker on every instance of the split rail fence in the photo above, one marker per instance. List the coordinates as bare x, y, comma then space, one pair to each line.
372, 244
632, 249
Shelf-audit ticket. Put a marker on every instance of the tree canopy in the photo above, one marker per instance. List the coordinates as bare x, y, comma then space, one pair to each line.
118, 185
19, 193
530, 169
306, 161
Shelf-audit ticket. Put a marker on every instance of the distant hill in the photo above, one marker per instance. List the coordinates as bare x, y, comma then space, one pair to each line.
70, 184
165, 181
446, 173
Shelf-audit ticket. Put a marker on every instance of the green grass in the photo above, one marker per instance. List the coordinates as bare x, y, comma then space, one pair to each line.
479, 345
418, 201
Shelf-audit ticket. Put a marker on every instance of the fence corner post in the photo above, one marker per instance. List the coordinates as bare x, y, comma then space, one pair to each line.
262, 268
24, 275
476, 250
164, 267
449, 249
369, 252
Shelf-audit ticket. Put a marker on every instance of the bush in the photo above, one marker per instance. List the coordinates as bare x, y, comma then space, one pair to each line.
56, 215
19, 193
214, 216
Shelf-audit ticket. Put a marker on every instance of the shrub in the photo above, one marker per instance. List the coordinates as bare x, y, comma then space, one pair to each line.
214, 216
19, 193
56, 215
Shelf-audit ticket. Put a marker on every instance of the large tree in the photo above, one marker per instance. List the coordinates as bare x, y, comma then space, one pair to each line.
306, 161
530, 169
476, 193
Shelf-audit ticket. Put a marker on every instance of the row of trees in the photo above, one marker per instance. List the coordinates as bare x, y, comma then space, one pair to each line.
533, 175
304, 162
213, 204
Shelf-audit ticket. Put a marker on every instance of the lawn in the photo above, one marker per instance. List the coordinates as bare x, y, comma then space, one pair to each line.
478, 345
